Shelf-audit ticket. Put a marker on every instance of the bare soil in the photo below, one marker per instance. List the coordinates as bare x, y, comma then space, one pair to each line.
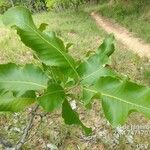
127, 38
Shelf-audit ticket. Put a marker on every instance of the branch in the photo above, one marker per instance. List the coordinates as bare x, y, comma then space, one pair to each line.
27, 129
41, 120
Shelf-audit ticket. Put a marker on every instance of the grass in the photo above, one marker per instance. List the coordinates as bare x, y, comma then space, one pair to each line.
134, 15
77, 28
74, 28
81, 30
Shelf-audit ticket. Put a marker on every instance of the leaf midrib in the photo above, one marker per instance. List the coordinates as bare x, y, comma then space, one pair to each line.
91, 74
122, 100
50, 93
24, 82
54, 47
14, 99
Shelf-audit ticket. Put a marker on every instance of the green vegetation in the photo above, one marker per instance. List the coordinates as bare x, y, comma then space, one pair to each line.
72, 28
4, 5
135, 15
64, 4
44, 5
80, 29
32, 5
50, 84
59, 73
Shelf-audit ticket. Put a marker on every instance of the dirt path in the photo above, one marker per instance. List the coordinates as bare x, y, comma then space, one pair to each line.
124, 36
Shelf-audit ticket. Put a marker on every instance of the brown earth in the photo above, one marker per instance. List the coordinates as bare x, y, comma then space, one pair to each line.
127, 38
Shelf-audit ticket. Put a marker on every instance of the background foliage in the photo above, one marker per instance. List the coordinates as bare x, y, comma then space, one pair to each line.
32, 5
42, 5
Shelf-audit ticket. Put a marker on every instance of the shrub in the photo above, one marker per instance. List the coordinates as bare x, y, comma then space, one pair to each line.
51, 84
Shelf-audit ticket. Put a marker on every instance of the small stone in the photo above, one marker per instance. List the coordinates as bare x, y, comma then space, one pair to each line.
73, 104
16, 129
102, 133
117, 136
130, 139
52, 147
120, 130
10, 149
15, 121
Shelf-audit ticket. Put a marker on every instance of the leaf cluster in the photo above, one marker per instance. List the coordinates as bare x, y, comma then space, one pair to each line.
51, 84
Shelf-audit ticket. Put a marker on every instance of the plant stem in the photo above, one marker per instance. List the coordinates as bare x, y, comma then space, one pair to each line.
27, 129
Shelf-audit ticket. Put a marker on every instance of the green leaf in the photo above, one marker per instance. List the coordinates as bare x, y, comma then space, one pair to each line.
43, 26
22, 79
107, 48
48, 47
68, 45
56, 41
52, 98
120, 98
56, 74
88, 95
70, 83
94, 67
9, 102
71, 117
